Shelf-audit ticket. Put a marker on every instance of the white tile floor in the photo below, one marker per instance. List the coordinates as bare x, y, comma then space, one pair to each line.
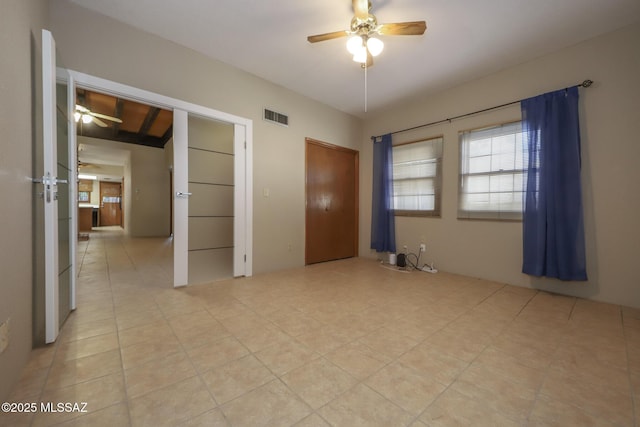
346, 343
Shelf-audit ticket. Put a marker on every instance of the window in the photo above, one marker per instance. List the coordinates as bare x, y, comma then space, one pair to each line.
417, 177
492, 173
83, 196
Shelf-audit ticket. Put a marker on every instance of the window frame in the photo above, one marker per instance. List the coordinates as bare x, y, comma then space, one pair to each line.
84, 196
436, 212
491, 215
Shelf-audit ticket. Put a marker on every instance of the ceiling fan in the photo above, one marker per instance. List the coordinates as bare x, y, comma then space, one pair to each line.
88, 116
82, 165
363, 43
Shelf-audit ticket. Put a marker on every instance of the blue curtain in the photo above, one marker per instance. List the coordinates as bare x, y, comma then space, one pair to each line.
383, 224
553, 228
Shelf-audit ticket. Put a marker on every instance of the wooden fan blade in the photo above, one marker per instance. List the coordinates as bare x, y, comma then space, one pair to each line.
361, 8
414, 28
81, 109
326, 36
99, 122
102, 116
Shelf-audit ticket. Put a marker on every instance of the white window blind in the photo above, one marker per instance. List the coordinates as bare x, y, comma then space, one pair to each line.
492, 173
417, 177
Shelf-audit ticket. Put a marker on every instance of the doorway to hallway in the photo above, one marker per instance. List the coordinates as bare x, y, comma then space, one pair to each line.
180, 163
130, 263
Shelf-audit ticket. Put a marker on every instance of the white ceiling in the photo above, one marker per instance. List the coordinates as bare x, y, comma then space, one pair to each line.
465, 39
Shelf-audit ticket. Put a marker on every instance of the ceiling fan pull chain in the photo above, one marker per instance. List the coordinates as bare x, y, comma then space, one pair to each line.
365, 87
363, 34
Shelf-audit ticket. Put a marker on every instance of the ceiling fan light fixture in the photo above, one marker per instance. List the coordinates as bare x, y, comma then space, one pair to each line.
375, 46
354, 44
360, 55
77, 116
86, 118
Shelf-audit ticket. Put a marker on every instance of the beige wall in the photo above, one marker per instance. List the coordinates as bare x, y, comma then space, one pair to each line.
150, 192
20, 121
610, 113
99, 46
146, 188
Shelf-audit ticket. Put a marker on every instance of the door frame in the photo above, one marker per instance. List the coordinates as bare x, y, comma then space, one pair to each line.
243, 128
356, 154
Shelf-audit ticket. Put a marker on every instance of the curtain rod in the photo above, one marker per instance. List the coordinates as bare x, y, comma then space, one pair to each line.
585, 83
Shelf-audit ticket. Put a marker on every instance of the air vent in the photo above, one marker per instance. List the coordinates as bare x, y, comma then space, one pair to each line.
277, 118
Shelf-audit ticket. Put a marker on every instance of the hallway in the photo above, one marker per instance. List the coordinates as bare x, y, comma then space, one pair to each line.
111, 258
346, 343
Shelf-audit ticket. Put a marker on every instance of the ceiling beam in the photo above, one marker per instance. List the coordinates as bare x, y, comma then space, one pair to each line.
81, 98
117, 113
123, 136
115, 132
152, 115
167, 135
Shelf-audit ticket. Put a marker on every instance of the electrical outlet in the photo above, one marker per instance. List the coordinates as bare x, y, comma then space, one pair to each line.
4, 335
423, 247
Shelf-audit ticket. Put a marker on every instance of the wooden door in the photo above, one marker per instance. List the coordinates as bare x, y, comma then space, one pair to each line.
332, 202
110, 203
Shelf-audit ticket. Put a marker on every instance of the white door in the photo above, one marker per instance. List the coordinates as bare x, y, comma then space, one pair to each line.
210, 196
58, 190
